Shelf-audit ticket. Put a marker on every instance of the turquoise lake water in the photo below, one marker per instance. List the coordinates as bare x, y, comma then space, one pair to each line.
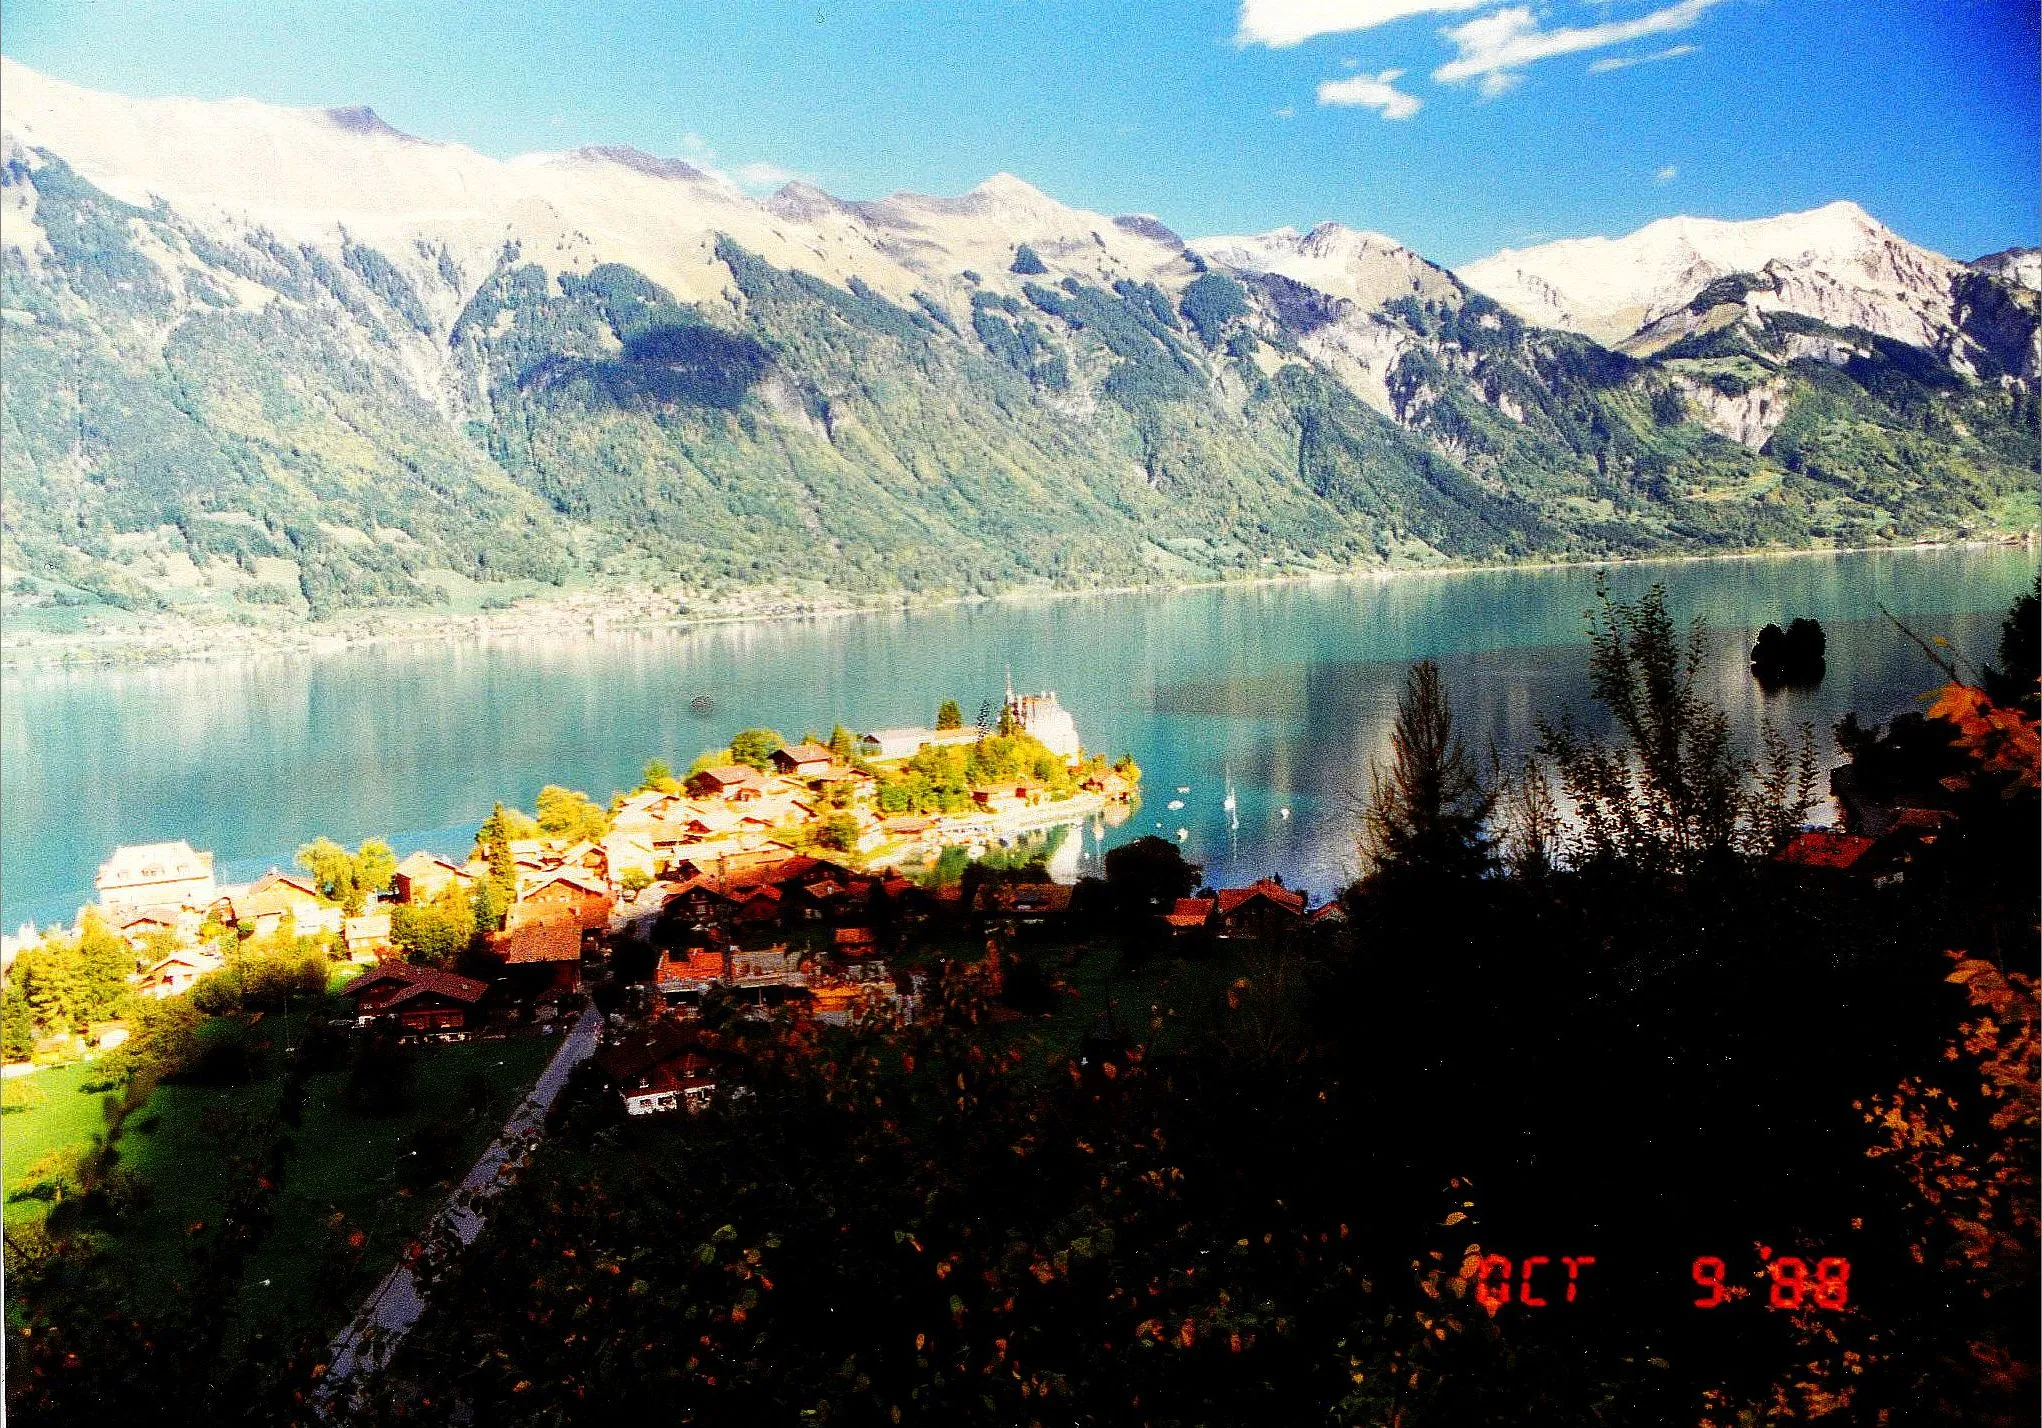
1288, 688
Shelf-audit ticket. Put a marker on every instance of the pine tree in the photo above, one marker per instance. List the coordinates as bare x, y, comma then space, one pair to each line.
1427, 811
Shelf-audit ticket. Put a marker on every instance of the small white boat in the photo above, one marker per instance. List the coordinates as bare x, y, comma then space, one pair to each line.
1175, 804
1182, 834
1284, 813
1184, 788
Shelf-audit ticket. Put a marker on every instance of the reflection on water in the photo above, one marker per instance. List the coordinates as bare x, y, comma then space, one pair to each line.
1290, 687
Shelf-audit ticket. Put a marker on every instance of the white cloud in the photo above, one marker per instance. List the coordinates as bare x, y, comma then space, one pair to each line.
763, 175
1289, 111
1506, 41
758, 175
1667, 174
1371, 91
1280, 24
1614, 62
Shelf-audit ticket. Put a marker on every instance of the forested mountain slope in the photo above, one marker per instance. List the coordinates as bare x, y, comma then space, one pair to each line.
266, 363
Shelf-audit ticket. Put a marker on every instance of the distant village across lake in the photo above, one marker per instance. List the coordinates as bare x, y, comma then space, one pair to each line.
779, 869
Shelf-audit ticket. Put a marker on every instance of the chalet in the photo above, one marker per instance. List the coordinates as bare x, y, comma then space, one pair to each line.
855, 942
1031, 907
176, 973
727, 781
837, 1002
662, 1069
1188, 916
803, 760
757, 905
150, 875
421, 877
275, 898
630, 852
139, 927
1265, 909
366, 937
689, 972
701, 902
817, 899
584, 899
768, 966
549, 938
1824, 850
587, 859
422, 999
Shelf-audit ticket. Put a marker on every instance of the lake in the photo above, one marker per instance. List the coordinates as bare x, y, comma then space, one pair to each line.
1286, 689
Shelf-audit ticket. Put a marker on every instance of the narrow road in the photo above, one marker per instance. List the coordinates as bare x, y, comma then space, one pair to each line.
389, 1312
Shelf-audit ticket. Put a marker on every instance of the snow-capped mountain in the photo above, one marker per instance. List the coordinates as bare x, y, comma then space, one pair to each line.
1366, 269
297, 361
1650, 288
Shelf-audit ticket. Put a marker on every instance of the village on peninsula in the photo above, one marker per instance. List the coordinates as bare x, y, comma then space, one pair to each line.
786, 875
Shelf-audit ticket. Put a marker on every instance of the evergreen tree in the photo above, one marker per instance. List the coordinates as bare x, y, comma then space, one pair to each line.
949, 716
2014, 681
1427, 810
498, 889
842, 745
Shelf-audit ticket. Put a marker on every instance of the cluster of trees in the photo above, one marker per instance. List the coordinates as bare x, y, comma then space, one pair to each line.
939, 778
349, 879
63, 985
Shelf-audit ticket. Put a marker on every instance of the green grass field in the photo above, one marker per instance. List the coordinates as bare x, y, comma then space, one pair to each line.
64, 1116
340, 1175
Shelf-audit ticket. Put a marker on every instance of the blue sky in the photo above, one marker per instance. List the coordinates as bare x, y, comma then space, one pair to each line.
1458, 126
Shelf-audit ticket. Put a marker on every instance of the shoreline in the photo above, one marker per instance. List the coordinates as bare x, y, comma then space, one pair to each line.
593, 613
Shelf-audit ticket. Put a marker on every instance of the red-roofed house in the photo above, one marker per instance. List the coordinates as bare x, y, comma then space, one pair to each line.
421, 877
423, 999
581, 897
551, 935
1188, 914
1263, 909
856, 941
803, 760
1825, 849
726, 781
275, 897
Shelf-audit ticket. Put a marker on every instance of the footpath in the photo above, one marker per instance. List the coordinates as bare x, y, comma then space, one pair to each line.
388, 1313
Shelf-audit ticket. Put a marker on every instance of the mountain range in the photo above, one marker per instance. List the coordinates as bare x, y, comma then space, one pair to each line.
266, 364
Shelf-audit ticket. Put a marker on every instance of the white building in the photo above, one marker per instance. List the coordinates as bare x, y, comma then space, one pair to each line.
155, 875
1048, 721
904, 742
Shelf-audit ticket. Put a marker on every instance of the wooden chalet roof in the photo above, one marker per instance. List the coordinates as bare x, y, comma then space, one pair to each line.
552, 937
424, 864
1189, 912
727, 775
411, 981
1229, 899
1824, 848
804, 753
